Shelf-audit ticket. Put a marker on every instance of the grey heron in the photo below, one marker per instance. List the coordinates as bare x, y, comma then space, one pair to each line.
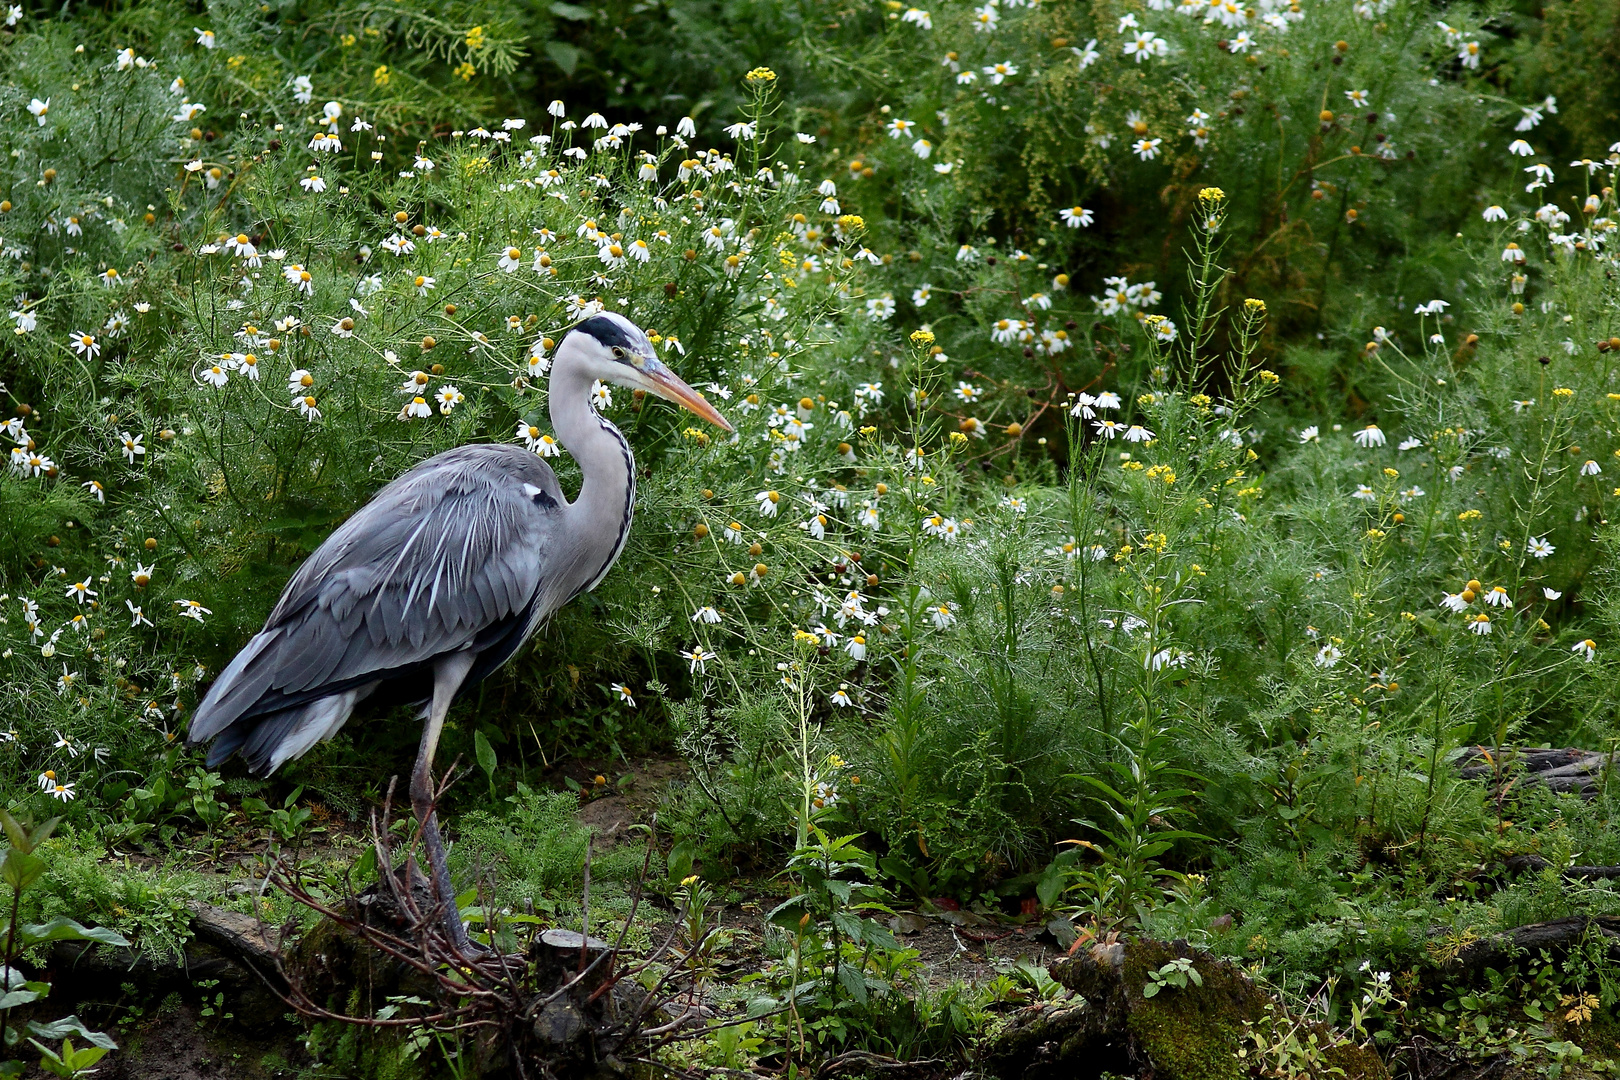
441, 578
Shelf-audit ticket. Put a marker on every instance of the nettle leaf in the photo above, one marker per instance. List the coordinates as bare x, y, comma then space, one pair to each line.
63, 928
841, 889
851, 979
879, 935
20, 869
849, 925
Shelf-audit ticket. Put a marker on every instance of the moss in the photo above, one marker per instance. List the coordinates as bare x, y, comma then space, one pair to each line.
1599, 1037
1358, 1062
1191, 1033
1181, 1033
1187, 1047
1194, 1033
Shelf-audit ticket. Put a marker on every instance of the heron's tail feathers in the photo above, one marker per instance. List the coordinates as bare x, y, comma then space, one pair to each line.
269, 740
235, 692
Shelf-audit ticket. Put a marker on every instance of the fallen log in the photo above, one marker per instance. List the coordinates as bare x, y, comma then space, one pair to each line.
236, 952
1557, 937
1566, 770
1534, 864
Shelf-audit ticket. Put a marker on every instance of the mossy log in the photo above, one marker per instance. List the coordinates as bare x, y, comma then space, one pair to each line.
1196, 1032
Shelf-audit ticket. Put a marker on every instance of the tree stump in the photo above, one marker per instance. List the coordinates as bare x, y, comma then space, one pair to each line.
556, 957
385, 905
332, 961
1179, 1033
577, 1006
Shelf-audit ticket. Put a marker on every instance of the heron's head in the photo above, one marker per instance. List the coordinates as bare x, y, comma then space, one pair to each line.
617, 351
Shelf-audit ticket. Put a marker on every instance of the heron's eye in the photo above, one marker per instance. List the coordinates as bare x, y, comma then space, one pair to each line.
618, 353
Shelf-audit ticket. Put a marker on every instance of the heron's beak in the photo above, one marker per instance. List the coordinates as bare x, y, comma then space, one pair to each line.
667, 385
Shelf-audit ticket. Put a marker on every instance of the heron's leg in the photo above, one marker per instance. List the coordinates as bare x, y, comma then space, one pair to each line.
448, 674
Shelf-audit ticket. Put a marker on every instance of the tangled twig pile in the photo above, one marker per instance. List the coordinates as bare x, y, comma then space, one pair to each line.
563, 1005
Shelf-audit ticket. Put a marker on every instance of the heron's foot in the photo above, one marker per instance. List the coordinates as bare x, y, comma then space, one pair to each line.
475, 951
444, 892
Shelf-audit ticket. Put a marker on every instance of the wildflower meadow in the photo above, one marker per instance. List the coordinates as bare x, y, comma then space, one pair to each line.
1164, 537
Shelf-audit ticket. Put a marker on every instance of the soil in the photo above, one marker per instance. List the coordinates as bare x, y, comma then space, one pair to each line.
177, 1042
973, 954
626, 798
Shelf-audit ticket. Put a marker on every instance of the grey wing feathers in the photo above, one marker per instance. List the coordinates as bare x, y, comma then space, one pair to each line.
449, 550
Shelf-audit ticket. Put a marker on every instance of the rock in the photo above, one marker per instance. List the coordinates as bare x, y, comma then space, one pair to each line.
1193, 1032
559, 1023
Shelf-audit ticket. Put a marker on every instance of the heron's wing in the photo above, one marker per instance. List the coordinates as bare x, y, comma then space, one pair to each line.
450, 556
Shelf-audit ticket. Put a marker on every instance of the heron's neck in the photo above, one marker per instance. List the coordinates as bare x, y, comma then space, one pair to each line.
599, 517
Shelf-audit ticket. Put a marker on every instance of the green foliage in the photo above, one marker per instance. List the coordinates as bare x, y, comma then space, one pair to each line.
22, 865
1178, 973
144, 905
843, 963
534, 853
